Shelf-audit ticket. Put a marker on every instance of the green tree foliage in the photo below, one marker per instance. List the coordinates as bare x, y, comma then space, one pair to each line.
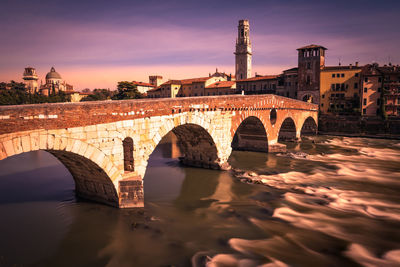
14, 93
99, 94
127, 90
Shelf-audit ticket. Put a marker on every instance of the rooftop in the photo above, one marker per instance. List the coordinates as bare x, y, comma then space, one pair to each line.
347, 67
222, 84
143, 84
311, 46
260, 78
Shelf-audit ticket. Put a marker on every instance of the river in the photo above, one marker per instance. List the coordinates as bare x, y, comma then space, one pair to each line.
331, 201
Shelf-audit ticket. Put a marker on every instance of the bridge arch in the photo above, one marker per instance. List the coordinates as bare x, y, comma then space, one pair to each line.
202, 143
250, 135
94, 173
287, 130
309, 127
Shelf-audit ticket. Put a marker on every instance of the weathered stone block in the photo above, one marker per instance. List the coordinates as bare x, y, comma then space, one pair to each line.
9, 147
26, 143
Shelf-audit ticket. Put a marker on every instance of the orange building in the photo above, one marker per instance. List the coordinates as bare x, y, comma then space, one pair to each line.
340, 90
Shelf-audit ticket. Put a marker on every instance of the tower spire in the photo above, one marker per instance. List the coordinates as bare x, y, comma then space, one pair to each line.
243, 52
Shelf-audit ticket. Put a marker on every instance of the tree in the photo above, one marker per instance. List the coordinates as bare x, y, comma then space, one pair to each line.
127, 90
99, 94
16, 94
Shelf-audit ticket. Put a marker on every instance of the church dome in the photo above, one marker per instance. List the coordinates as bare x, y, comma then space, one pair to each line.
53, 74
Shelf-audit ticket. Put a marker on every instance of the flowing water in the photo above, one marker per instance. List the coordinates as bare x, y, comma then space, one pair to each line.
332, 201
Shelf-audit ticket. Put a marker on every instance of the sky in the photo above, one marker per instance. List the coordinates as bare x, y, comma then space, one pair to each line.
95, 44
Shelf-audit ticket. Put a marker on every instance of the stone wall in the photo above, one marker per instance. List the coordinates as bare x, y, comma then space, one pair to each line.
360, 126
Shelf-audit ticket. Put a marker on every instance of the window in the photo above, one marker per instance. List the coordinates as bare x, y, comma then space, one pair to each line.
356, 75
308, 79
355, 85
365, 89
364, 111
337, 86
308, 65
333, 75
342, 75
380, 79
338, 75
323, 96
378, 101
322, 105
332, 86
366, 79
365, 101
379, 89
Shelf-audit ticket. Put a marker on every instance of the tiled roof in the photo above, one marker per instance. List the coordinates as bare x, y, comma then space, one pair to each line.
292, 69
195, 80
154, 90
143, 84
222, 84
259, 78
311, 46
330, 68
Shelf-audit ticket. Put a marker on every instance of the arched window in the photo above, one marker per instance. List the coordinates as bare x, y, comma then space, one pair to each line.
128, 154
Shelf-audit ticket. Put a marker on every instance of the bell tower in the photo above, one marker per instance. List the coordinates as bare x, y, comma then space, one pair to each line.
243, 51
31, 80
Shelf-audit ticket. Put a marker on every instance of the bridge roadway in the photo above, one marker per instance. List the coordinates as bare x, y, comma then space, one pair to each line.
106, 144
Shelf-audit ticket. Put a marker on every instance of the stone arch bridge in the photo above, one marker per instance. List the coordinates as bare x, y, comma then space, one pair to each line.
106, 145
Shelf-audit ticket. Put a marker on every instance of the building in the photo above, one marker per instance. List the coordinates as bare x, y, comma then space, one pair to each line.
54, 84
243, 52
290, 83
220, 88
31, 80
155, 80
77, 96
143, 87
186, 87
311, 59
380, 90
340, 90
258, 85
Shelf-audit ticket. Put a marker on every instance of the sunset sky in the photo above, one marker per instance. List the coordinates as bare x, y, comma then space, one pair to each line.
95, 44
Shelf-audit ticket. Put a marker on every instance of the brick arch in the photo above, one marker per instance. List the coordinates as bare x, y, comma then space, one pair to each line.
83, 161
251, 140
236, 122
306, 118
314, 95
281, 131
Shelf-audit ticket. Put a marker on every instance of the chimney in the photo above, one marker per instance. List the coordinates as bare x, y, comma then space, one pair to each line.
356, 63
351, 65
